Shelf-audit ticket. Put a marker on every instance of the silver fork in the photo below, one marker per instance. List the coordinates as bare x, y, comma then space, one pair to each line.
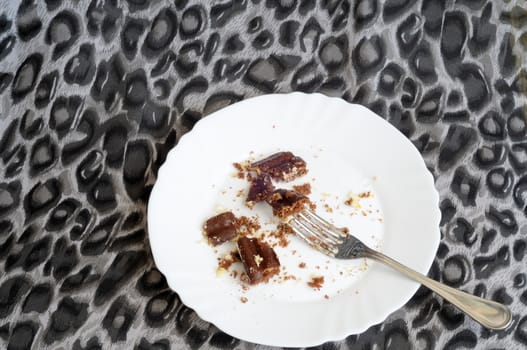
336, 243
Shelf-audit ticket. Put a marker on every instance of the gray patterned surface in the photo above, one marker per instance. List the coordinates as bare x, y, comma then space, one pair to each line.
94, 93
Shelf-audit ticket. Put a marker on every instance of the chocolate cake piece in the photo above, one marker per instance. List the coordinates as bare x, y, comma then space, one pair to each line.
221, 228
258, 258
281, 166
287, 202
261, 188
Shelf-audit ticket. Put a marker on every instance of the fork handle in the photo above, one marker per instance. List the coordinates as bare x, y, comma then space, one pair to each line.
490, 314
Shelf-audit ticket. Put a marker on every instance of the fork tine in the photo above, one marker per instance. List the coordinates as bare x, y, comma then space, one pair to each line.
312, 239
313, 245
317, 220
321, 231
311, 231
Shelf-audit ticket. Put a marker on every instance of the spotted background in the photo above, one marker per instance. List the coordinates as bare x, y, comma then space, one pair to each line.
93, 94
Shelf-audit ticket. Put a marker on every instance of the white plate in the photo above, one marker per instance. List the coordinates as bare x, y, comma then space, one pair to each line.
348, 148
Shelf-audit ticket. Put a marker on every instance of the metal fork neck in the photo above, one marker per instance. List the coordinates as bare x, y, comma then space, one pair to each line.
352, 249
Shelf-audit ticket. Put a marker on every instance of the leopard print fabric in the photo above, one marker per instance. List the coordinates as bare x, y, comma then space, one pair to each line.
94, 93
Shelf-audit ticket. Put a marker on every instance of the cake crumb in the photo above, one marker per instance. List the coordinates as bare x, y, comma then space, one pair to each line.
238, 166
290, 277
258, 260
326, 296
316, 282
304, 189
220, 271
244, 300
364, 266
226, 261
302, 265
328, 208
353, 201
241, 169
280, 234
365, 194
247, 226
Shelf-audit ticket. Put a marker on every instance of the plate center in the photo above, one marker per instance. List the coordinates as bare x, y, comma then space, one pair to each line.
342, 194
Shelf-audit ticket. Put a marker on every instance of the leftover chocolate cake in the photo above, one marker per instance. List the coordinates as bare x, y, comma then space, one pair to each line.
258, 258
261, 188
221, 228
281, 166
287, 202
